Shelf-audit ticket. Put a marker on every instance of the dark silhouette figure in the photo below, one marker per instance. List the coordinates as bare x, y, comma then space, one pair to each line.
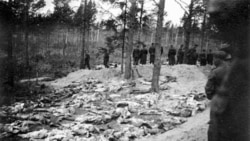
152, 53
203, 58
106, 59
192, 56
210, 57
180, 55
217, 74
144, 53
86, 61
136, 55
230, 113
171, 55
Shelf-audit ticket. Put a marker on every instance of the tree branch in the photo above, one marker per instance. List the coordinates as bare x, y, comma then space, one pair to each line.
156, 3
184, 2
107, 11
181, 6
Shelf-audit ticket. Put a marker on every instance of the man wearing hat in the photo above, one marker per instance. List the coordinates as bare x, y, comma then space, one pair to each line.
228, 50
230, 105
217, 74
215, 79
192, 56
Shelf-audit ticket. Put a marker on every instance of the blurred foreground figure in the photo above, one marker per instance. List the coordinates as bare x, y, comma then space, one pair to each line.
230, 106
217, 74
203, 59
210, 57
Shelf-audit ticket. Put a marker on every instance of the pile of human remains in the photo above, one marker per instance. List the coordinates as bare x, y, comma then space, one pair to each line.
98, 110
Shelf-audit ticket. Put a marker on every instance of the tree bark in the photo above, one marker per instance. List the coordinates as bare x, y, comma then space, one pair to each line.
188, 29
82, 62
203, 30
140, 29
65, 42
47, 42
129, 48
157, 63
124, 37
10, 57
26, 20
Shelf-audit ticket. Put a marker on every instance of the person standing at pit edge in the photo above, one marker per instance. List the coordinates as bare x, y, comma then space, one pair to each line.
192, 56
180, 55
171, 55
106, 59
136, 55
210, 57
86, 61
143, 54
202, 58
152, 53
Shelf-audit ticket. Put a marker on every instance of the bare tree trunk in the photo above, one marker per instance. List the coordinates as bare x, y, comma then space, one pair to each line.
82, 63
203, 30
188, 29
48, 41
124, 37
65, 42
176, 37
10, 57
26, 33
98, 32
140, 30
129, 48
157, 63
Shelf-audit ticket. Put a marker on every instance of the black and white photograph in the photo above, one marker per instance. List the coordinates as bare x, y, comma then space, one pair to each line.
124, 70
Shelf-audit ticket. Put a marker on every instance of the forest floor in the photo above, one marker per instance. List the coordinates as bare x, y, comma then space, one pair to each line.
98, 105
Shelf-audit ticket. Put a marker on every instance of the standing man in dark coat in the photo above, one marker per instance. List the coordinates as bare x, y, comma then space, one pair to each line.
162, 50
195, 57
217, 74
202, 58
152, 53
230, 105
171, 55
192, 56
210, 57
86, 61
214, 82
106, 59
180, 55
136, 55
144, 53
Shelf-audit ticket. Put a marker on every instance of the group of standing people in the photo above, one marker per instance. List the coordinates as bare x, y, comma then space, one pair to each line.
140, 55
105, 60
191, 55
